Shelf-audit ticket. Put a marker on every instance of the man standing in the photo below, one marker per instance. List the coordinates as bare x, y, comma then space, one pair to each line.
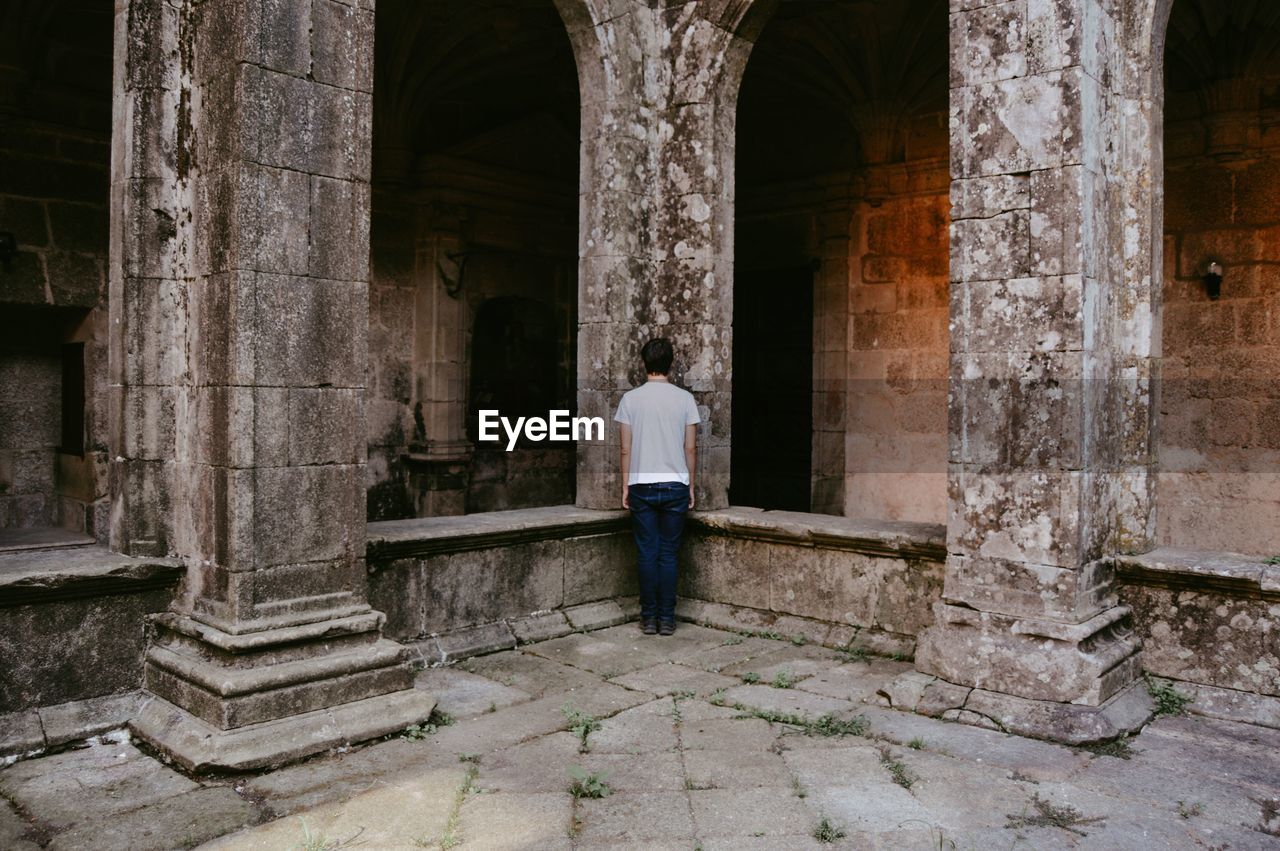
659, 463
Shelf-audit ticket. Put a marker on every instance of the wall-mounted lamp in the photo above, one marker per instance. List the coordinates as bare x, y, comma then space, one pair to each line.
1213, 280
8, 247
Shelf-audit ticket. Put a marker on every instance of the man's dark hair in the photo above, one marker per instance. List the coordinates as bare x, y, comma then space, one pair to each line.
657, 356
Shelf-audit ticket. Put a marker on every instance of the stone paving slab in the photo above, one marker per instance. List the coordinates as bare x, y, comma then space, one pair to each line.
514, 821
744, 734
683, 771
540, 765
785, 700
855, 680
660, 771
90, 784
774, 811
637, 817
399, 815
183, 821
668, 678
798, 662
465, 694
736, 769
515, 724
16, 833
529, 673
642, 729
732, 650
607, 658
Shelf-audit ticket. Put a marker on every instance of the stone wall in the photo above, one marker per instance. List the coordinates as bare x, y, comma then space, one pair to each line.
1209, 621
831, 580
73, 623
55, 106
1219, 485
449, 574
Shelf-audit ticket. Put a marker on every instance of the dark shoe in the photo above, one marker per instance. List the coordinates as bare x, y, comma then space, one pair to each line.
667, 628
649, 627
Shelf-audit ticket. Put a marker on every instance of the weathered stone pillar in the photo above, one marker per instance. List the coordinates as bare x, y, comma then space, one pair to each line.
657, 216
1050, 412
271, 651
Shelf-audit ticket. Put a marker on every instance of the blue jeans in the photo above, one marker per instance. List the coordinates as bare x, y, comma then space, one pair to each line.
657, 512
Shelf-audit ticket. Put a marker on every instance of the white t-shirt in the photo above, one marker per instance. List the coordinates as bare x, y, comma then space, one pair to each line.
657, 413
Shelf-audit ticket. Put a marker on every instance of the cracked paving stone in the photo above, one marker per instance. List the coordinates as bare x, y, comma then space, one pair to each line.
463, 695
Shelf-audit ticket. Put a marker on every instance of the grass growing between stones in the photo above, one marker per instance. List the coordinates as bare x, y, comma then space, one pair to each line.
783, 679
581, 725
854, 654
1190, 810
825, 725
313, 841
751, 678
1118, 748
428, 728
587, 784
897, 768
1047, 814
1168, 700
828, 833
916, 744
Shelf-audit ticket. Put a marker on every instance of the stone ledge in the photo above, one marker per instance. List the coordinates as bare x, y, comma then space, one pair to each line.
34, 731
30, 577
1200, 570
880, 538
396, 539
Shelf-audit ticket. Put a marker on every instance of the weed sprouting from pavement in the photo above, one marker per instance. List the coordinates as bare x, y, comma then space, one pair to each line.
1047, 814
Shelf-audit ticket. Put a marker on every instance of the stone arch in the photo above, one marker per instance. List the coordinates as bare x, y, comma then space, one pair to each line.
855, 193
477, 185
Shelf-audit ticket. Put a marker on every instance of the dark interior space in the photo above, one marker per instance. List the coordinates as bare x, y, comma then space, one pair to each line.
842, 171
772, 363
55, 156
474, 245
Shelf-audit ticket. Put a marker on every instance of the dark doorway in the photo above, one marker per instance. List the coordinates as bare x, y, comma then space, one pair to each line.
772, 388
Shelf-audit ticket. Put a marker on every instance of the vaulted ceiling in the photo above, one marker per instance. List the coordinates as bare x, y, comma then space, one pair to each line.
488, 80
1225, 54
834, 84
55, 61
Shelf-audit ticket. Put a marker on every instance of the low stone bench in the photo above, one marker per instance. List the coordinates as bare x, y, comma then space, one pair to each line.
72, 637
457, 586
1211, 621
836, 581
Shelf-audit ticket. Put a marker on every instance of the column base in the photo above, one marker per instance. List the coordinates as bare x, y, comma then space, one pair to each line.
1040, 660
215, 699
1123, 714
199, 746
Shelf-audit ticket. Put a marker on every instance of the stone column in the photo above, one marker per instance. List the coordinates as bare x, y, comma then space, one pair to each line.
1050, 412
441, 464
271, 651
657, 217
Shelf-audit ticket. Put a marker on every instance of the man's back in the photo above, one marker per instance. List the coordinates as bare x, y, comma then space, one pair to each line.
657, 413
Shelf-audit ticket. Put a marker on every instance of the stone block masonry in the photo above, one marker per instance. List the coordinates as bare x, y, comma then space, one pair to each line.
245, 236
